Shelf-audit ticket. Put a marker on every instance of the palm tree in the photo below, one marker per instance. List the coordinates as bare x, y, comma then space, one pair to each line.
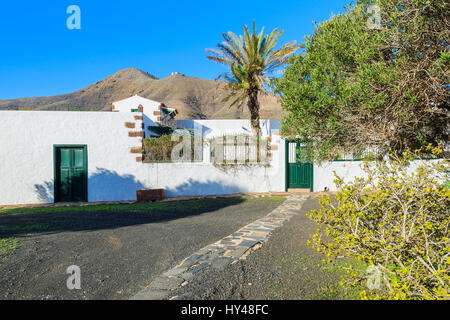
251, 60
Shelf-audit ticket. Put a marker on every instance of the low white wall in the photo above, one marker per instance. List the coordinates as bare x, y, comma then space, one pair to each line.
206, 179
349, 170
324, 176
193, 179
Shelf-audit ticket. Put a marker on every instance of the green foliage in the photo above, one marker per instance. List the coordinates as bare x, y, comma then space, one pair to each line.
8, 245
447, 184
251, 58
161, 149
24, 228
356, 87
146, 207
396, 220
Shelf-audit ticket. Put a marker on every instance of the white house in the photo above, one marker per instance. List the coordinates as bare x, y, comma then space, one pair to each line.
154, 113
74, 157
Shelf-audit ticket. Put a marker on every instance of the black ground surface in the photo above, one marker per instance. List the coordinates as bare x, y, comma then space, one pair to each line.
119, 248
284, 268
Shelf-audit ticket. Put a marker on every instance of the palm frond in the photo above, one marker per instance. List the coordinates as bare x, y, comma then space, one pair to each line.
251, 57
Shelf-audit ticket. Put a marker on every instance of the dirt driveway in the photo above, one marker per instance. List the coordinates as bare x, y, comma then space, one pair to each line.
285, 268
119, 248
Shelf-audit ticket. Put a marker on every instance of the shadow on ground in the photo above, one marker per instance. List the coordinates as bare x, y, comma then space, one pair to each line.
47, 220
91, 218
285, 268
120, 249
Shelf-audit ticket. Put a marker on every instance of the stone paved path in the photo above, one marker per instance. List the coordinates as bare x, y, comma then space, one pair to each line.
218, 255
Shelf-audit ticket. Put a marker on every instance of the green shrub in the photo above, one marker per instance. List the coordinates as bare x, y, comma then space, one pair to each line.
396, 222
160, 149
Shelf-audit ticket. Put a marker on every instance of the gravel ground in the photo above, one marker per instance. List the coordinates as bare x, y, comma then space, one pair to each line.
284, 268
119, 249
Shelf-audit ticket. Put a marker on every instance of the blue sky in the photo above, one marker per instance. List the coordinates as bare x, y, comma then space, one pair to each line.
40, 56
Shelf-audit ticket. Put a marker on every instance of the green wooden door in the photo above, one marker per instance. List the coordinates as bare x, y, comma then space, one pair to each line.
299, 173
70, 174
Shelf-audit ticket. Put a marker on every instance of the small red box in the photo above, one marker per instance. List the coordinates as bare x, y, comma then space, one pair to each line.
150, 195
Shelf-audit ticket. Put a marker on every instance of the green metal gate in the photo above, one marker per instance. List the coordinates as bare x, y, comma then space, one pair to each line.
299, 174
70, 164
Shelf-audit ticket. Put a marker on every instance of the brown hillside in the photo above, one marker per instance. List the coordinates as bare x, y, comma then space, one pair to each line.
195, 98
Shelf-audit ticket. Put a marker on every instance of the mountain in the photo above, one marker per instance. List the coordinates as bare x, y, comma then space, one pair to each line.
194, 98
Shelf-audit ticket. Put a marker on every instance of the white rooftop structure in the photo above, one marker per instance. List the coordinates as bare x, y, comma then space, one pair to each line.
154, 113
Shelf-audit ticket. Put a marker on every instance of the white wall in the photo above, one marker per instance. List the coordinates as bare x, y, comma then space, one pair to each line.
26, 160
349, 170
149, 107
26, 153
114, 172
191, 179
324, 176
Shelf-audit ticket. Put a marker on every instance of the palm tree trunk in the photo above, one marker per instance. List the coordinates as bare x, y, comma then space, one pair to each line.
253, 107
